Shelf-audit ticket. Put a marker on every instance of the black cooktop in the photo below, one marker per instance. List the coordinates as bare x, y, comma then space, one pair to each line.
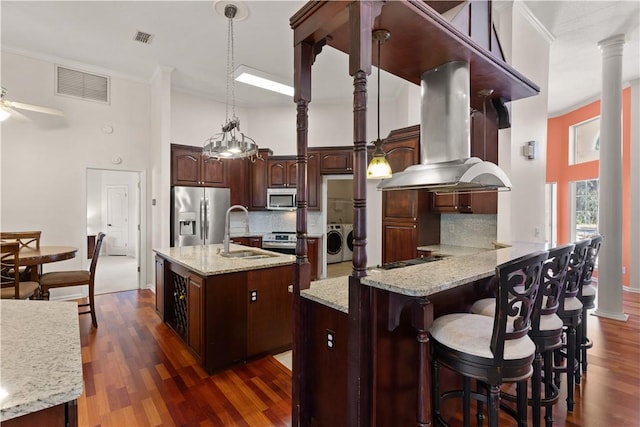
414, 261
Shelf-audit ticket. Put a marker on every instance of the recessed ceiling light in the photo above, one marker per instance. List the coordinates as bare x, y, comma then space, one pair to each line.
262, 80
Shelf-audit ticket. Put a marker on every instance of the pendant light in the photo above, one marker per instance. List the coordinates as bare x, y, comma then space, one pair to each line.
379, 167
231, 142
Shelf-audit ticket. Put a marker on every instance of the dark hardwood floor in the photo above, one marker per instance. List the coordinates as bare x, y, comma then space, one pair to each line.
138, 373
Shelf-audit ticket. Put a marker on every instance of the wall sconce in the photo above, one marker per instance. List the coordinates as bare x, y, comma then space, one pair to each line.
530, 150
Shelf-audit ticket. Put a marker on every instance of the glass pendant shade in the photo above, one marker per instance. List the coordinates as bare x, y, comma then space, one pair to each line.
379, 167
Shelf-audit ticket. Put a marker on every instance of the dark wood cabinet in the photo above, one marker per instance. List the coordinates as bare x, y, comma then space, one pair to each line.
252, 241
406, 220
451, 202
282, 172
194, 313
313, 252
227, 318
239, 181
189, 167
335, 160
258, 181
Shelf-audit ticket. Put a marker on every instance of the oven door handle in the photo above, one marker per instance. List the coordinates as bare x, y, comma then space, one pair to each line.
267, 245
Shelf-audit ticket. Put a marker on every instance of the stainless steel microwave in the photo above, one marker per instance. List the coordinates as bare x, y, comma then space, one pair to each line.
281, 199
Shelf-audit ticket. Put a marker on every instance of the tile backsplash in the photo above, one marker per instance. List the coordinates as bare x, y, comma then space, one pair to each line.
476, 231
269, 221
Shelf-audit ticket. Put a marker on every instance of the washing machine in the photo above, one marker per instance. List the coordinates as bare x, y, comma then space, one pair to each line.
335, 243
347, 242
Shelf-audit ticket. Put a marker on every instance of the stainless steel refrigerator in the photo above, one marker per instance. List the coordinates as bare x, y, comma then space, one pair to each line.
198, 215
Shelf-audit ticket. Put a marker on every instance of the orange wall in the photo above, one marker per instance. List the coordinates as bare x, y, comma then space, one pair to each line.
560, 172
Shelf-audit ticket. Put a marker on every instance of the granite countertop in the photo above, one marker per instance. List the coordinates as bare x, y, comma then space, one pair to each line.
41, 357
206, 260
433, 277
464, 265
332, 292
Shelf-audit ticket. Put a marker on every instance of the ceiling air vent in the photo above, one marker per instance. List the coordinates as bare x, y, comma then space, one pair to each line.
143, 37
82, 85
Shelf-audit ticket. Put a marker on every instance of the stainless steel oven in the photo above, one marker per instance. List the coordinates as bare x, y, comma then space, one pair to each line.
283, 242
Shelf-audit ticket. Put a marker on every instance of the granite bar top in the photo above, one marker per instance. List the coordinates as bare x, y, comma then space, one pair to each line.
332, 292
41, 358
206, 260
433, 277
464, 265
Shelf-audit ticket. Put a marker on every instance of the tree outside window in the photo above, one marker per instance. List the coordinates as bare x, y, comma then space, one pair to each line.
586, 208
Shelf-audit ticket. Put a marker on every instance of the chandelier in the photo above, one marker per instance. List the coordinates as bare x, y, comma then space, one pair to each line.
231, 142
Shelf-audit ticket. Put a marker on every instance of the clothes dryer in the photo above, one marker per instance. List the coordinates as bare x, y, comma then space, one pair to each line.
347, 242
335, 243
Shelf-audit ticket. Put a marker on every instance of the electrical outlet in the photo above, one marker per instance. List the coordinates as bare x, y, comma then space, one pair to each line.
452, 228
330, 338
253, 295
536, 231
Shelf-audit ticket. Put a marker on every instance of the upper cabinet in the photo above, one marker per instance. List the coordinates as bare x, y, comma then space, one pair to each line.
189, 167
258, 171
282, 172
335, 160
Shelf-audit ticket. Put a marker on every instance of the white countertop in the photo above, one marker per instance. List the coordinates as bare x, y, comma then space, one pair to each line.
41, 358
207, 261
451, 250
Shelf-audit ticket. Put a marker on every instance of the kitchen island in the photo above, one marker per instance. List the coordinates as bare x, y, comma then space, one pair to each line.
405, 301
226, 309
41, 371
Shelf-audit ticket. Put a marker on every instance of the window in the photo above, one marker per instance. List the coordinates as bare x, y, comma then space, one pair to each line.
584, 195
584, 141
551, 214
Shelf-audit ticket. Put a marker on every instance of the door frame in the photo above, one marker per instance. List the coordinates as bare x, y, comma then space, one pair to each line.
141, 235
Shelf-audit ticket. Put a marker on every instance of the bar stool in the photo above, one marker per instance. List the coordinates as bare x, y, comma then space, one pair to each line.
546, 333
587, 296
494, 350
570, 311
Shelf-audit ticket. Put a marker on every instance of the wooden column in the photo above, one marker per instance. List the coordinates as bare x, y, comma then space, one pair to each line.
360, 358
303, 60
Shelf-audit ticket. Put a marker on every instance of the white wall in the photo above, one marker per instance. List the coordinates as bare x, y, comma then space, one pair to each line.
44, 161
521, 213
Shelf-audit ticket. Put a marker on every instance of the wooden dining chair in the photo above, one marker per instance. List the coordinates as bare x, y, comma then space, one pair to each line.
11, 286
63, 279
25, 239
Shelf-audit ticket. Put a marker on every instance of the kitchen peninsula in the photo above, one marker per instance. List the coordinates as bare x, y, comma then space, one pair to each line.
41, 371
226, 308
405, 301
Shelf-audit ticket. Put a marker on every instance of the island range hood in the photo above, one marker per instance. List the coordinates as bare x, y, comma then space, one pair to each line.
445, 145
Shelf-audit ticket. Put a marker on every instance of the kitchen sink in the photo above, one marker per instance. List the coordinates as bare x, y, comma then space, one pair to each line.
247, 254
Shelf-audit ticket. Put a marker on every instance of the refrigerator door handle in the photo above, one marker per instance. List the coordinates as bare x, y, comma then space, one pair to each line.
205, 221
203, 217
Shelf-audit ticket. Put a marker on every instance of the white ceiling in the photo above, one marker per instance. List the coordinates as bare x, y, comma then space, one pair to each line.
191, 37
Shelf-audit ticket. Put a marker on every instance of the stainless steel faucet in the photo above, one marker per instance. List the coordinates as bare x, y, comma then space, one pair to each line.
227, 225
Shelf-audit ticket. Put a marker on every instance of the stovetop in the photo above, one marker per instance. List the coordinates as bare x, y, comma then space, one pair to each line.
414, 261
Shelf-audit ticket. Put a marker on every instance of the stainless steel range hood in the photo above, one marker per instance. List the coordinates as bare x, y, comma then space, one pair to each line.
446, 164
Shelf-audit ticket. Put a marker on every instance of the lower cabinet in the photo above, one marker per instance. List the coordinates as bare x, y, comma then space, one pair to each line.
313, 252
227, 318
252, 241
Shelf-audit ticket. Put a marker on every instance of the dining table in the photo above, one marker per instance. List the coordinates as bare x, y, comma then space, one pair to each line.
35, 257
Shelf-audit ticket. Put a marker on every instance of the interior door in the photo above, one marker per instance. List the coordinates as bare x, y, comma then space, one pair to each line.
117, 239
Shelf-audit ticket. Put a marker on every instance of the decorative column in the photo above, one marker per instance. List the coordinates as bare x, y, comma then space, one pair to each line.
634, 189
610, 212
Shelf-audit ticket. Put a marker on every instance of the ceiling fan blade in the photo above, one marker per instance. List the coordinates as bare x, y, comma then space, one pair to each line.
36, 108
14, 114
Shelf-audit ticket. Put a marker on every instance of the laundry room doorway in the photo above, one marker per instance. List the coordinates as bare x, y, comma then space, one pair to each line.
339, 226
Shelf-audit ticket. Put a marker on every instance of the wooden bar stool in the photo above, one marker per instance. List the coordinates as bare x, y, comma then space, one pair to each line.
494, 350
587, 296
570, 311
